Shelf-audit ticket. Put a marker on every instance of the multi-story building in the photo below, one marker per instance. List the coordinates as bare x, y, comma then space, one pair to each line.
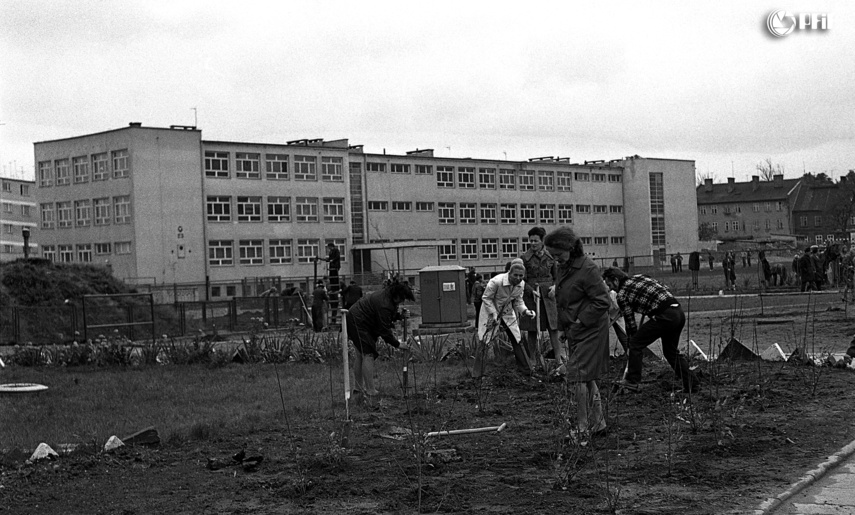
822, 211
759, 210
18, 214
162, 205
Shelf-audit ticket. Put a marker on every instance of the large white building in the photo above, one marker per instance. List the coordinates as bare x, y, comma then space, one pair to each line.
162, 205
18, 214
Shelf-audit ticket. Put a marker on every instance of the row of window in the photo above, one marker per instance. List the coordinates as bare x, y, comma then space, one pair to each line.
471, 213
9, 209
86, 212
82, 169
504, 248
736, 225
24, 188
270, 252
83, 252
248, 165
736, 208
464, 177
278, 209
817, 221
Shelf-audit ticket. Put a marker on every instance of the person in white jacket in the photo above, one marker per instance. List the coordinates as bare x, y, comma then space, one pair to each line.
501, 302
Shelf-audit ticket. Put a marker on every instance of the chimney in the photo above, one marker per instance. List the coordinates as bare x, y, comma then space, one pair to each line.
708, 185
755, 182
730, 184
778, 180
135, 124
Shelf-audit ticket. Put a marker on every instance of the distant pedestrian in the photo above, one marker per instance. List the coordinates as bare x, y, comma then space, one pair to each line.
765, 268
710, 258
728, 265
673, 264
319, 300
695, 267
744, 255
477, 293
748, 256
806, 271
679, 262
848, 271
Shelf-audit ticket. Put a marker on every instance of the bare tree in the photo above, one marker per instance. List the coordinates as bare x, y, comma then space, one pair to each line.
767, 170
701, 177
843, 207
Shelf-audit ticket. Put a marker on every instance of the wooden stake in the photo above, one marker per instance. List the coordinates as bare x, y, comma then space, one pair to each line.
491, 429
345, 359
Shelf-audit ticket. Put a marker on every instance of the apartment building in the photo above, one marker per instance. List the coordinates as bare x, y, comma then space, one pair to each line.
18, 214
162, 205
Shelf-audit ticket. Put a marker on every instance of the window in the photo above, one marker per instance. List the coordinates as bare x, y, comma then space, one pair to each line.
331, 169
402, 206
445, 176
818, 239
306, 209
304, 168
121, 167
468, 248
247, 165
564, 181
600, 209
45, 174
49, 252
507, 179
100, 170
727, 210
8, 228
375, 167
446, 212
508, 213
726, 226
488, 213
830, 237
614, 177
66, 253
714, 210
487, 178
803, 221
703, 210
489, 248
251, 252
48, 219
582, 176
424, 206
279, 252
528, 214
65, 213
278, 209
448, 252
768, 224
817, 220
307, 250
467, 214
81, 169
547, 213
219, 209
737, 208
424, 169
220, 253
83, 213
399, 168
617, 240
249, 209
25, 211
84, 253
333, 209
780, 224
465, 177
276, 166
767, 206
7, 207
122, 208
545, 180
123, 247
25, 190
526, 180
63, 172
586, 240
7, 186
565, 213
378, 205
779, 206
601, 240
102, 249
510, 248
756, 225
583, 208
598, 177
615, 209
756, 207
216, 164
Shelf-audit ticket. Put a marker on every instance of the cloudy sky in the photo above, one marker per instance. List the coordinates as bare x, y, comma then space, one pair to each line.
594, 80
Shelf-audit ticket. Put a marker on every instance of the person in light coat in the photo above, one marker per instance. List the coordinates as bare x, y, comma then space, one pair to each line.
500, 304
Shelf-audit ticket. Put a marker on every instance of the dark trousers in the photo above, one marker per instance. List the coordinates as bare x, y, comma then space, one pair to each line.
318, 318
477, 312
668, 326
335, 287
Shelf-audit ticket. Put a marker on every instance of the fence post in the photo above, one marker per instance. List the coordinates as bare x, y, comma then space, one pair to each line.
233, 314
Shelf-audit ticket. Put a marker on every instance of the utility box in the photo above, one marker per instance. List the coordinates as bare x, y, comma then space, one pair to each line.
443, 292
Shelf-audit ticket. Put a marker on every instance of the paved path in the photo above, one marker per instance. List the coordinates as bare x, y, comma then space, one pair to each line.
826, 490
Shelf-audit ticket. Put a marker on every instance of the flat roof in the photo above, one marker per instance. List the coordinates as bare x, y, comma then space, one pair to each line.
400, 244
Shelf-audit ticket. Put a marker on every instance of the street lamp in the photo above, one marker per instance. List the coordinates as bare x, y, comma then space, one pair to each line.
25, 231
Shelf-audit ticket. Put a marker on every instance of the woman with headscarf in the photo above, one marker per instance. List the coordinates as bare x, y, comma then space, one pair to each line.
501, 302
583, 312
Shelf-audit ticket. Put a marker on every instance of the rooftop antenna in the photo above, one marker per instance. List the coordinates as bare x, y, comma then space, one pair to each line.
195, 118
449, 150
506, 155
732, 173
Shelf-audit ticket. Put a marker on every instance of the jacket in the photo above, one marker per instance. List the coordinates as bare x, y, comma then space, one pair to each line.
501, 299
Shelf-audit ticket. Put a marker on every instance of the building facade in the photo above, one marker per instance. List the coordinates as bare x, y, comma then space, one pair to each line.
18, 214
162, 205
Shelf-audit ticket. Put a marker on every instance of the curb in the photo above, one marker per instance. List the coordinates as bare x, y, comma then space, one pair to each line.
771, 504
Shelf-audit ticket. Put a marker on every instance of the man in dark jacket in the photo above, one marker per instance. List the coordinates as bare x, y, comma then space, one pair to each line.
351, 294
319, 300
642, 294
374, 317
806, 271
695, 267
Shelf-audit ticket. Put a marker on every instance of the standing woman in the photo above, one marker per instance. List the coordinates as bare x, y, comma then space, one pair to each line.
583, 312
539, 278
500, 304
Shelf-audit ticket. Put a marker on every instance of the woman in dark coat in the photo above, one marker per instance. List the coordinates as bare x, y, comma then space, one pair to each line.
583, 312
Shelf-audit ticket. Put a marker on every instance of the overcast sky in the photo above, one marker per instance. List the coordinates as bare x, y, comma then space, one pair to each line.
593, 80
